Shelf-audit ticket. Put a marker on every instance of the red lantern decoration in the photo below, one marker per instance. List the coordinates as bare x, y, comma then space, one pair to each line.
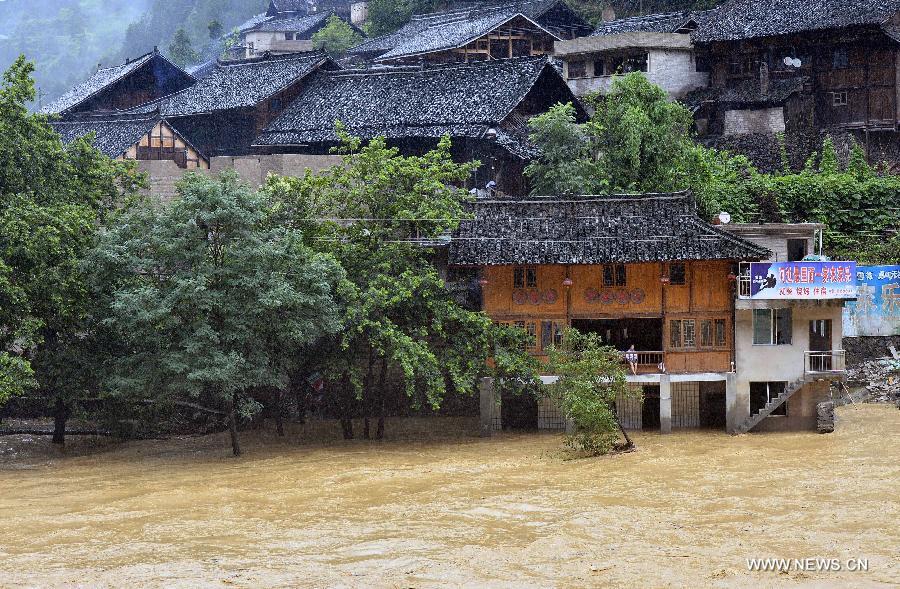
568, 282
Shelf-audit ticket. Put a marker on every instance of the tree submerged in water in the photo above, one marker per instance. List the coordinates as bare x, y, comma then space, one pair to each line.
208, 301
591, 381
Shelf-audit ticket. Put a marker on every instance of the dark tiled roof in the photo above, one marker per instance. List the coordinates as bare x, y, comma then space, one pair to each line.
748, 94
593, 230
302, 24
239, 84
102, 79
441, 31
114, 134
278, 6
460, 100
669, 22
746, 19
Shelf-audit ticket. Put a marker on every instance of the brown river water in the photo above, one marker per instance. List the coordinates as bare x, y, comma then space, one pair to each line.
434, 506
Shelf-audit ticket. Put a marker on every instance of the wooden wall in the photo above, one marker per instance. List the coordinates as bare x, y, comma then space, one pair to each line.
162, 143
706, 296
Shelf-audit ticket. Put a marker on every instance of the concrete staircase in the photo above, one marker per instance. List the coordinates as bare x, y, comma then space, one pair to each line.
774, 404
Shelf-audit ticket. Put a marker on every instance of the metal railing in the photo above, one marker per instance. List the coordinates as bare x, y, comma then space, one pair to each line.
743, 280
832, 361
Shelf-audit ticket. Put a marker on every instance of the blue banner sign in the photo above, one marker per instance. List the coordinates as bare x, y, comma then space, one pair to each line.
876, 310
803, 280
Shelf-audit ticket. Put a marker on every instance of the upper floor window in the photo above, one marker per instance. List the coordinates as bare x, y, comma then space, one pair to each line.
772, 327
677, 274
841, 58
615, 275
639, 62
524, 277
741, 66
289, 36
599, 67
682, 333
577, 69
840, 98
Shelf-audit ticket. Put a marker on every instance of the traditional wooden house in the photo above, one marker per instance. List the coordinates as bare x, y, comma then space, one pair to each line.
478, 33
133, 137
118, 88
482, 107
710, 348
226, 110
659, 45
801, 68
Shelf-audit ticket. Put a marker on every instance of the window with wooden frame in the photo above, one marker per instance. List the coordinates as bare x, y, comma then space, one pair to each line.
577, 69
677, 274
841, 98
614, 275
530, 329
720, 335
551, 334
741, 66
599, 67
682, 333
524, 277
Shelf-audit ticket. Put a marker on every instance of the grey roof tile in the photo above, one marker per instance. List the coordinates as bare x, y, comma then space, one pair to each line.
747, 19
114, 134
239, 84
668, 22
440, 31
593, 230
460, 100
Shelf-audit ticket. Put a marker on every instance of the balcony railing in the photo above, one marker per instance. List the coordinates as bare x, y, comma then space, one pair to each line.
646, 362
830, 362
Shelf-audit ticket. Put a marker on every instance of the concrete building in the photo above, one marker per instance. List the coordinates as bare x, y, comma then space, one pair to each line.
658, 45
590, 64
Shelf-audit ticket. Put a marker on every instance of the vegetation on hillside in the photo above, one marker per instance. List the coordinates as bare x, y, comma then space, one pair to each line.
638, 141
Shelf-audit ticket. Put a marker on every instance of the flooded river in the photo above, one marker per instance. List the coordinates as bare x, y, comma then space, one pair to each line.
454, 510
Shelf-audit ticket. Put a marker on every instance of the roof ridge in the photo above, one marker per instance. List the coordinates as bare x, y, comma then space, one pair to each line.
270, 57
425, 68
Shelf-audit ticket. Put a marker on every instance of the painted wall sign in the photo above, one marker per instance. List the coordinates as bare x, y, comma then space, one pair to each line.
803, 280
876, 311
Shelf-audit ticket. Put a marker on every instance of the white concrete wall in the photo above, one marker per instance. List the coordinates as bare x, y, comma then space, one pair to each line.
780, 363
771, 363
673, 70
274, 42
763, 120
359, 13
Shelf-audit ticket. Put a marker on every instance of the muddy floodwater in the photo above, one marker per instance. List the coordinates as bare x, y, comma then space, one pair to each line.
450, 509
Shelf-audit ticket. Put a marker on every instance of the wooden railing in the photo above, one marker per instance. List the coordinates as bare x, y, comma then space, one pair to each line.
646, 362
832, 361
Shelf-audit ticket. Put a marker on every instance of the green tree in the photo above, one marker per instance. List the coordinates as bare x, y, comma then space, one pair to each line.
215, 29
181, 51
591, 380
566, 165
212, 301
401, 321
636, 141
52, 198
336, 37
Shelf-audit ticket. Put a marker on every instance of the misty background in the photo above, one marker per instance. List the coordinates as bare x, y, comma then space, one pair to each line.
67, 39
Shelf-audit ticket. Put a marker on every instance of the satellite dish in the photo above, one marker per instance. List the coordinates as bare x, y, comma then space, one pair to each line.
724, 218
796, 62
788, 61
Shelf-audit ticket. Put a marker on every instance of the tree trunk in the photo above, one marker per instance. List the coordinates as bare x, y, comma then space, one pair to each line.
366, 435
60, 417
347, 426
382, 393
279, 422
232, 428
628, 443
